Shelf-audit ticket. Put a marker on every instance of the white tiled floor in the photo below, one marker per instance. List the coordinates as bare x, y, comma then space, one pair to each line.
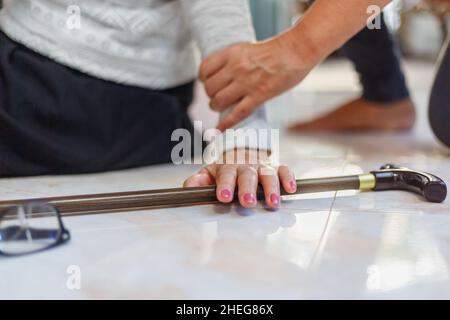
335, 245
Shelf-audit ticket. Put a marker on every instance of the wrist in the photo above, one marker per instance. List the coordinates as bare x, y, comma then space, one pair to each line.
304, 50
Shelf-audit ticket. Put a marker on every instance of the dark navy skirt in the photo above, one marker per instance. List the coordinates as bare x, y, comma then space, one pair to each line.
56, 120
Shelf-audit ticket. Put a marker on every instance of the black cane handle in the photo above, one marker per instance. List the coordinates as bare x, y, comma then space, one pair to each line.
391, 177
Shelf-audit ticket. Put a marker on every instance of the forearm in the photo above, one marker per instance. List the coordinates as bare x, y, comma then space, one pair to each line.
215, 26
327, 25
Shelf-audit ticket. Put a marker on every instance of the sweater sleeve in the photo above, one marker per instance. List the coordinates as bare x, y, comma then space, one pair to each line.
217, 24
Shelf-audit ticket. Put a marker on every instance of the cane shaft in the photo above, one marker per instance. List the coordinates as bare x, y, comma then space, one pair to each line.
389, 177
138, 200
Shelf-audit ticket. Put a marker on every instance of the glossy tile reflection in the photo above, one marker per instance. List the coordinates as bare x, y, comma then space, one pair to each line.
393, 253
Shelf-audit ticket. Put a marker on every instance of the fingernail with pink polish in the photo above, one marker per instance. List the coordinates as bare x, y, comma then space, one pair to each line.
249, 198
293, 185
274, 199
226, 194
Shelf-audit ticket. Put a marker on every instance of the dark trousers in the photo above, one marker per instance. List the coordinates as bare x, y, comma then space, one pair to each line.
56, 120
439, 111
375, 57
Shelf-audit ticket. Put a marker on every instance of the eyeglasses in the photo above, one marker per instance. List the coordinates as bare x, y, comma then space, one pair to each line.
30, 228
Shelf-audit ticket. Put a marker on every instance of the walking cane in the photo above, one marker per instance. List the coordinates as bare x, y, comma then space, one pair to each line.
389, 177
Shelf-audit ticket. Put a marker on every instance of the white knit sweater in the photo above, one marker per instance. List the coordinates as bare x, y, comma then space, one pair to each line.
145, 43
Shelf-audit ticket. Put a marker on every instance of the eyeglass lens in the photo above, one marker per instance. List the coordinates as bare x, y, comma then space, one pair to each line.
28, 228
